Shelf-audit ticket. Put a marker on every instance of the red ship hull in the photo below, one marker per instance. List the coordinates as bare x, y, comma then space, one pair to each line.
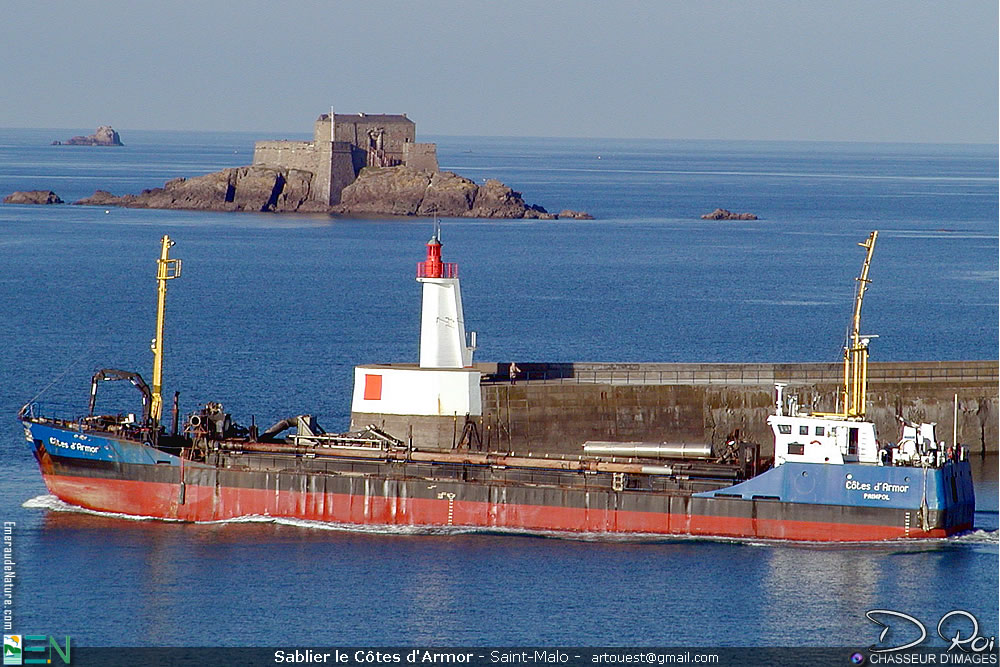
162, 500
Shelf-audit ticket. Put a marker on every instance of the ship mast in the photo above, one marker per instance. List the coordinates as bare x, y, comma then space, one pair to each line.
166, 269
856, 352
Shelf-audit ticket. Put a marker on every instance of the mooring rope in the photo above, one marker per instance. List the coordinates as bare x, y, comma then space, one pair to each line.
59, 377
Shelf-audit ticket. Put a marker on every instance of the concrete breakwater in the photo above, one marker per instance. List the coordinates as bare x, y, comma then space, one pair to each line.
556, 407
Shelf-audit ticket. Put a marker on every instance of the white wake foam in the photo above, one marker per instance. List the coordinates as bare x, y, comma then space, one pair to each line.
379, 529
53, 504
977, 537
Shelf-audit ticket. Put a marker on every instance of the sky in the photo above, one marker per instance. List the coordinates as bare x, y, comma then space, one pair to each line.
823, 70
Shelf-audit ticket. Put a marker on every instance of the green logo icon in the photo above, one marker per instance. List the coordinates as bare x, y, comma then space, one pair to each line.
12, 649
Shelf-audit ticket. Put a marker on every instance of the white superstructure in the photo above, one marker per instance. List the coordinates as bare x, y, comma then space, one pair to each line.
805, 438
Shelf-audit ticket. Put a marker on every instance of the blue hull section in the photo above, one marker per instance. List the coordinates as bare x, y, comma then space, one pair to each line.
93, 447
948, 488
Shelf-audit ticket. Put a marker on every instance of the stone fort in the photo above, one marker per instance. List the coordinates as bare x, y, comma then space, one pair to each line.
342, 145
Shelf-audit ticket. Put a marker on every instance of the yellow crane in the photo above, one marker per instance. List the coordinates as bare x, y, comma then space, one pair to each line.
166, 269
856, 353
856, 350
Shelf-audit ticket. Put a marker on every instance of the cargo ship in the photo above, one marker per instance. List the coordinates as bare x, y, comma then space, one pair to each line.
830, 478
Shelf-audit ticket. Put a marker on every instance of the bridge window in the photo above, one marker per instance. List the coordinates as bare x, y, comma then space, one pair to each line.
784, 429
820, 430
803, 430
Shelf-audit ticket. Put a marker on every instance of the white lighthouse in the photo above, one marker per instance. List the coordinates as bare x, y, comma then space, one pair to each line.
442, 324
431, 400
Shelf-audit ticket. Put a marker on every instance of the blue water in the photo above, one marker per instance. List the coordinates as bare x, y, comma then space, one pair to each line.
272, 313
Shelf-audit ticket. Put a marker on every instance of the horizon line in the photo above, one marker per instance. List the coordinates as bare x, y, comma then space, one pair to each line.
995, 143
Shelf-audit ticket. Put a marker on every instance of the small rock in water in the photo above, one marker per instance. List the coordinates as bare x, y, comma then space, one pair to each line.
723, 214
105, 135
33, 197
575, 215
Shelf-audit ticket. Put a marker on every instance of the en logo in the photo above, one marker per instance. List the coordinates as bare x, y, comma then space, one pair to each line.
33, 650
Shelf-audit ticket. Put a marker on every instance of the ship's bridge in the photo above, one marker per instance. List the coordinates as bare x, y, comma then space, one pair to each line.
809, 439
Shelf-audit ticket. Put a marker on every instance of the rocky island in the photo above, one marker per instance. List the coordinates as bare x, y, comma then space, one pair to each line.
33, 197
356, 164
105, 135
723, 214
399, 190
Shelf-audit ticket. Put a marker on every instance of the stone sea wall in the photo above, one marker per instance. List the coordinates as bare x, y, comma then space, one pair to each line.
558, 407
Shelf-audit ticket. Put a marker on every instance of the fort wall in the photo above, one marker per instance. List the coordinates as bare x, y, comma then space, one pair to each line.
343, 169
321, 130
357, 130
343, 145
420, 156
286, 154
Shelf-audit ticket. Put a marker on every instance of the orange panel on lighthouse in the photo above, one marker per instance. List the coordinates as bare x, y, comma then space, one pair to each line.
373, 387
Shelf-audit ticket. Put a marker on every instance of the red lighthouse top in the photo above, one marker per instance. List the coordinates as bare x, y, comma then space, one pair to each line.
433, 267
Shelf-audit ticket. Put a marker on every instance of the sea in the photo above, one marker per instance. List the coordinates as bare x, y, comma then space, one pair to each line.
272, 312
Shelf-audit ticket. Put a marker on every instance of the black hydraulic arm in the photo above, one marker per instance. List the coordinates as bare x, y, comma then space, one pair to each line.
114, 374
